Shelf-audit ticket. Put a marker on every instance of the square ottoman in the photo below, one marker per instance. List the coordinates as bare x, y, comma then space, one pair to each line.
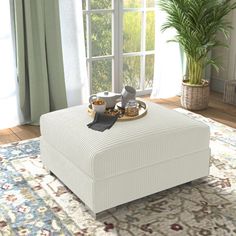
131, 160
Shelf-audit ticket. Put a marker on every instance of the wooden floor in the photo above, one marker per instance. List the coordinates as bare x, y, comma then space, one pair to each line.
217, 110
19, 133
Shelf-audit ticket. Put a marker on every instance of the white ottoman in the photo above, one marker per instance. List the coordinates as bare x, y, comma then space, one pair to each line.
131, 160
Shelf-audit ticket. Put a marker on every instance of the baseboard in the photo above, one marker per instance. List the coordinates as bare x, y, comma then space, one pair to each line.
217, 85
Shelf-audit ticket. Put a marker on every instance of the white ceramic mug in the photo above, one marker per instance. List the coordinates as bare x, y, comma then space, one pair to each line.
128, 93
99, 108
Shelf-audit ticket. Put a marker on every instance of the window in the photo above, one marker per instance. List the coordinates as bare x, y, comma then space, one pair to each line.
119, 36
8, 84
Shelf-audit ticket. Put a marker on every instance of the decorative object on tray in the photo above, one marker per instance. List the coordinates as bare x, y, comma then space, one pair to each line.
109, 97
120, 112
99, 105
128, 93
131, 108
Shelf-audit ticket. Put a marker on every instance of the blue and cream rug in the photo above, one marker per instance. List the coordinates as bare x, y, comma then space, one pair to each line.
32, 202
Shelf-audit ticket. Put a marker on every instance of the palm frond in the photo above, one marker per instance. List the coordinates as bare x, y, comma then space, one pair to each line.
197, 23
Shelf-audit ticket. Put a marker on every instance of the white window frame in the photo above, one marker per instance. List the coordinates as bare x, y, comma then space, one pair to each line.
117, 56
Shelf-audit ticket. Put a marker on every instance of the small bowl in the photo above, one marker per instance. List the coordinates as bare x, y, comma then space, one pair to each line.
100, 108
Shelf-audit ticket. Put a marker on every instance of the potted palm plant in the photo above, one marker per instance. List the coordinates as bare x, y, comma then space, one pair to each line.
197, 24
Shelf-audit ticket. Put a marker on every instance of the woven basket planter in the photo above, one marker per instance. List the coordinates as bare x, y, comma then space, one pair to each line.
195, 97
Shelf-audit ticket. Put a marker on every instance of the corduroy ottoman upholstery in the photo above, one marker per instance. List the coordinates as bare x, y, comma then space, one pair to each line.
131, 160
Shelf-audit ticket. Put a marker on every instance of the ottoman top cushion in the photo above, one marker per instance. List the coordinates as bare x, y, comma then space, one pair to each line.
159, 136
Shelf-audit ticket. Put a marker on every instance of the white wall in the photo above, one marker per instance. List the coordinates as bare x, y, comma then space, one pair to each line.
227, 57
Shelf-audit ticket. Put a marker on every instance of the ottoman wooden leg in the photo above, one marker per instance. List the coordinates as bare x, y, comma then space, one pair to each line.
51, 173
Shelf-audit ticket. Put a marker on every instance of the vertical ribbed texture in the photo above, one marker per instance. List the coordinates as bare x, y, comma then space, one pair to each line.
136, 184
39, 58
111, 192
129, 161
159, 136
230, 92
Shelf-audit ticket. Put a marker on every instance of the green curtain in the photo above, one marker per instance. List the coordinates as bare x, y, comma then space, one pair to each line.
39, 57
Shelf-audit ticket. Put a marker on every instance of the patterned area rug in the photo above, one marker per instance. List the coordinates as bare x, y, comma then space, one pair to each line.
32, 202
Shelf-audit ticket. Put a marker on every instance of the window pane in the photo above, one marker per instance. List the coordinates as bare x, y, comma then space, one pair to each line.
150, 3
84, 4
131, 71
132, 32
132, 3
85, 33
149, 71
150, 31
101, 4
101, 76
101, 34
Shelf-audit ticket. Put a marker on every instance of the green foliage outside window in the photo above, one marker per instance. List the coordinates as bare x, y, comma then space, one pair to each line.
101, 76
101, 27
102, 45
